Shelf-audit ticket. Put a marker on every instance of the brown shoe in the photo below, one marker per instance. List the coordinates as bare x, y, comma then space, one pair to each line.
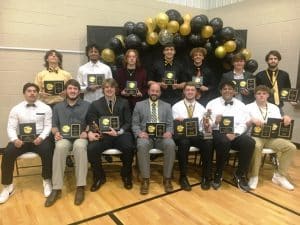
144, 186
168, 185
79, 195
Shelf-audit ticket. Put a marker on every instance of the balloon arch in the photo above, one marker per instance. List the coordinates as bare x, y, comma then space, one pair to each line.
185, 32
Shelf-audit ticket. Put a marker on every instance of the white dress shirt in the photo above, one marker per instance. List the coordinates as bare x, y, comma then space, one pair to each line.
40, 114
92, 68
237, 110
272, 111
180, 110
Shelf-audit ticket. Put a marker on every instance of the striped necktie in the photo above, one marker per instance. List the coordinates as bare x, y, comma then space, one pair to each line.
153, 113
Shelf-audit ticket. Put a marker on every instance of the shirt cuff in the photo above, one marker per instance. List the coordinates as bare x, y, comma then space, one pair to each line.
121, 131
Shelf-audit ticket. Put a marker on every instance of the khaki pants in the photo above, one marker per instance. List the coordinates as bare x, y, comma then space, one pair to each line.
285, 148
61, 151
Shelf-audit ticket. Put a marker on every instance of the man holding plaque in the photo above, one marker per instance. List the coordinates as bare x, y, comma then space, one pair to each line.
169, 73
244, 81
28, 128
274, 78
114, 113
51, 80
132, 78
153, 111
202, 75
189, 108
69, 130
91, 74
260, 111
229, 132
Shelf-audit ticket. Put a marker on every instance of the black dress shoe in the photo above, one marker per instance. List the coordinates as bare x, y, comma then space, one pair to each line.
51, 199
184, 183
241, 182
79, 195
205, 183
127, 181
97, 184
217, 181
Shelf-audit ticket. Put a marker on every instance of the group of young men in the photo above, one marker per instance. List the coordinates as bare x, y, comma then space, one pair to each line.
164, 104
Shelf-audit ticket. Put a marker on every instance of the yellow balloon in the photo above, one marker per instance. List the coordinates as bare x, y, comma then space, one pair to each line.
220, 52
230, 46
187, 18
246, 52
185, 29
151, 24
162, 20
108, 55
121, 38
173, 26
207, 31
152, 38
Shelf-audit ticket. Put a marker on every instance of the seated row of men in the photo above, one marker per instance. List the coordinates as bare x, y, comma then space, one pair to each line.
91, 143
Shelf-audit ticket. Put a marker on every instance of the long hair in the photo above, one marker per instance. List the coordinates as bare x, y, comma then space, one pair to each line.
138, 63
59, 56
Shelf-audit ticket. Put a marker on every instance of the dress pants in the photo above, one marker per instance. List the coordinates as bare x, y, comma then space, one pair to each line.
144, 145
243, 144
285, 148
123, 142
61, 151
206, 149
11, 153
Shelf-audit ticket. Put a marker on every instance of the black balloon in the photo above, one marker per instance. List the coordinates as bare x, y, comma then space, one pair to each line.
227, 33
239, 44
208, 46
144, 46
115, 44
216, 23
129, 26
114, 70
174, 15
196, 40
251, 65
132, 41
140, 29
205, 19
119, 60
179, 41
197, 23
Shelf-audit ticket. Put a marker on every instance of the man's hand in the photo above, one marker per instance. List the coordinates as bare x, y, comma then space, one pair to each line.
218, 119
57, 136
83, 135
167, 134
112, 132
38, 141
94, 136
245, 91
44, 94
143, 135
286, 120
124, 93
231, 137
163, 85
18, 143
203, 88
257, 122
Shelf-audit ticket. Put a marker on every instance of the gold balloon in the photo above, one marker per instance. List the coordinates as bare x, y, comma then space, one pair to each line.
207, 31
152, 38
121, 38
162, 20
246, 53
220, 52
187, 18
151, 24
108, 55
185, 29
173, 26
230, 46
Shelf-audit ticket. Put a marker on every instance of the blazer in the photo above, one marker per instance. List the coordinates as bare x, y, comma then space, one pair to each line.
245, 98
100, 108
142, 114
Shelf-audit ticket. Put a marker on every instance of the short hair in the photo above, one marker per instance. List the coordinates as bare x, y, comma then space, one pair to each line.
91, 46
226, 82
111, 82
273, 52
59, 56
237, 57
190, 83
138, 63
262, 88
168, 45
72, 82
28, 85
197, 50
153, 83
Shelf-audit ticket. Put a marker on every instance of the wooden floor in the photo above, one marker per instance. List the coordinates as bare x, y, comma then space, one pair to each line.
112, 204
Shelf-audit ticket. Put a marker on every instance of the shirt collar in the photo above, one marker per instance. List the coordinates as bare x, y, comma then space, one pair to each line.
189, 103
78, 102
150, 101
238, 74
94, 64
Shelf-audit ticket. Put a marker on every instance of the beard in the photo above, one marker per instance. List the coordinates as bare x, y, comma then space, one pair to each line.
272, 66
72, 98
153, 98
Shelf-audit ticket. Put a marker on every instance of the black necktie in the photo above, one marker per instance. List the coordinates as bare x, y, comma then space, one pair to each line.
30, 105
110, 105
229, 103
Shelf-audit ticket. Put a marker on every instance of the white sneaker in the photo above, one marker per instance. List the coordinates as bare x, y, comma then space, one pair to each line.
253, 181
47, 187
7, 191
282, 181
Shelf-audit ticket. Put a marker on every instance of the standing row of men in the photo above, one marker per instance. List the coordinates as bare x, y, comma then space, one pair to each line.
74, 110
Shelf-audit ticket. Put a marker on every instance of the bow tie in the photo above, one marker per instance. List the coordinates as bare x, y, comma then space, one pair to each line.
55, 70
168, 63
30, 105
229, 103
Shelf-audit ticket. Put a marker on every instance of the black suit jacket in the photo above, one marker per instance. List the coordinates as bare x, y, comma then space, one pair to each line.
245, 98
283, 81
100, 108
